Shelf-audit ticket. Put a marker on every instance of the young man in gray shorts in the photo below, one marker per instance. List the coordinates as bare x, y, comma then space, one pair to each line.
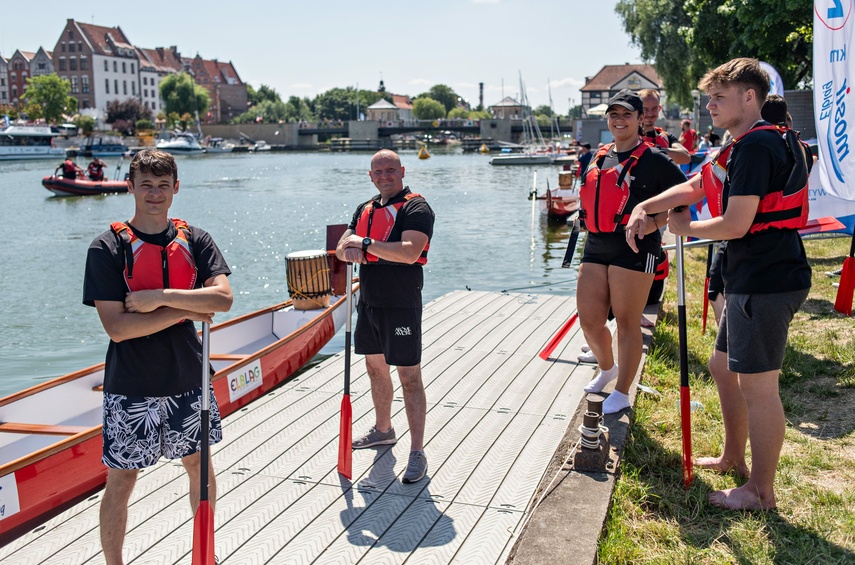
153, 372
758, 209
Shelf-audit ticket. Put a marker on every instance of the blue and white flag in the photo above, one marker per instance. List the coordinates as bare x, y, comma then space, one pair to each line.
776, 84
833, 179
6, 120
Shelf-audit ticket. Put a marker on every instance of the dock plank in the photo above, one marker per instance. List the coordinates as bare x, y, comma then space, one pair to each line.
496, 413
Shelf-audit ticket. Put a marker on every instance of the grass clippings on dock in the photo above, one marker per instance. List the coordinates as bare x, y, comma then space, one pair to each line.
653, 520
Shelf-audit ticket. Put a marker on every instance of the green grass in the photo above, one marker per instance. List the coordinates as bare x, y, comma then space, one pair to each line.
653, 520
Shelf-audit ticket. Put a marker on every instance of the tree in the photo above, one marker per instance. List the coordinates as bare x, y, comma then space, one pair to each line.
263, 93
428, 109
442, 94
85, 124
461, 113
684, 39
341, 103
124, 114
49, 96
182, 96
544, 110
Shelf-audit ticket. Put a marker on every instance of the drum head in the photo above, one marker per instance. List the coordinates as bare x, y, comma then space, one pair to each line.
305, 254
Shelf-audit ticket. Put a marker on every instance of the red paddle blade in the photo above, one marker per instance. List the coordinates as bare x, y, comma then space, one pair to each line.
556, 339
345, 439
843, 302
203, 535
686, 426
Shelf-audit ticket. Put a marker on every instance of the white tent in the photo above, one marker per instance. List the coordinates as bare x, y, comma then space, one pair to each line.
598, 110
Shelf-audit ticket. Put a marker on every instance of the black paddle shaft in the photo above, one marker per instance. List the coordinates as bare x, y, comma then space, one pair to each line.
349, 307
681, 314
205, 412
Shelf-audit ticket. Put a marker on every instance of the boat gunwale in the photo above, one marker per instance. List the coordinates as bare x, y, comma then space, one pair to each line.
67, 442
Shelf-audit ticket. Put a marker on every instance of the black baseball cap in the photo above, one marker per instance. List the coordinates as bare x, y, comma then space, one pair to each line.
627, 99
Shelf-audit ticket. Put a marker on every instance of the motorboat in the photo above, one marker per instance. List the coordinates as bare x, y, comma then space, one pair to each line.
218, 145
102, 147
62, 186
261, 146
181, 144
28, 142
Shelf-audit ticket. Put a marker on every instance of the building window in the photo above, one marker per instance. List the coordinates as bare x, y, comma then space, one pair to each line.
115, 67
85, 84
85, 103
106, 67
62, 63
71, 34
80, 46
72, 64
84, 63
107, 85
41, 66
125, 87
132, 68
2, 81
124, 67
14, 91
116, 86
63, 46
71, 48
153, 107
74, 86
12, 77
145, 80
134, 88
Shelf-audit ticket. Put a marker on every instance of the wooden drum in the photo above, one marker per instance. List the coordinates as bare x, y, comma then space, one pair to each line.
308, 279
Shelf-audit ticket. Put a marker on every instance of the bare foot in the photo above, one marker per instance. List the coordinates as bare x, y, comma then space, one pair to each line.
723, 466
740, 499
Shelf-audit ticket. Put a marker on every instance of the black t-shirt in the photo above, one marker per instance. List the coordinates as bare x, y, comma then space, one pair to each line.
166, 363
654, 173
769, 261
396, 285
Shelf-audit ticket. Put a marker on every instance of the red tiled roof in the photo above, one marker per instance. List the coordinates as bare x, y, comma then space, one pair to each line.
229, 73
402, 101
97, 38
161, 59
610, 75
27, 55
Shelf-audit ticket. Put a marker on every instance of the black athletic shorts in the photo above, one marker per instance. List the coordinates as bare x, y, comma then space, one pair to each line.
612, 249
394, 332
716, 282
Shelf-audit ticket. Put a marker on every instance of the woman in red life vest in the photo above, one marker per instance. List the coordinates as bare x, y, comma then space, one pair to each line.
611, 274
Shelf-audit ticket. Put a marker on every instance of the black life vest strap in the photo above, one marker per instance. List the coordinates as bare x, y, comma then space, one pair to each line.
128, 251
777, 216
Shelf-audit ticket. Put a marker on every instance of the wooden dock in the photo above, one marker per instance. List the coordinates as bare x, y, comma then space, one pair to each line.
496, 414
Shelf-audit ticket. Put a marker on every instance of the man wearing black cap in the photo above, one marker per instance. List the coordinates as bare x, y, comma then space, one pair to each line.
611, 274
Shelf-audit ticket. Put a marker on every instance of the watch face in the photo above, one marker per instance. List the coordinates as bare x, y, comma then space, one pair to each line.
366, 242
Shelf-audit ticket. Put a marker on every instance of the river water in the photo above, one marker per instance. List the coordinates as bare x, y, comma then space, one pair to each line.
259, 208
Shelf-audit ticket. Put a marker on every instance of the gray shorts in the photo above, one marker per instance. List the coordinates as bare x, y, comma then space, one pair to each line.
754, 327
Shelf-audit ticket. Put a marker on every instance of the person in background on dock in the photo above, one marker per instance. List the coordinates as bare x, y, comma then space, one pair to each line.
758, 208
660, 138
689, 137
96, 169
583, 158
69, 169
389, 236
611, 274
153, 371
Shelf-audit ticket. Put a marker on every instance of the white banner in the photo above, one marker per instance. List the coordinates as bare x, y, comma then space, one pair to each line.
776, 84
833, 106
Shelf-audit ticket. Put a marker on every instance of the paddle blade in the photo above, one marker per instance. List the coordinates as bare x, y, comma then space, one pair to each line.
686, 426
203, 535
843, 302
556, 339
345, 439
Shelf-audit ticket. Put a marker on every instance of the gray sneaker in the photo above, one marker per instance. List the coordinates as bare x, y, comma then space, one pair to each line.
835, 273
375, 437
416, 468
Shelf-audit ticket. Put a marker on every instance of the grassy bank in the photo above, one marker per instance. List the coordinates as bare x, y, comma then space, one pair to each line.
653, 520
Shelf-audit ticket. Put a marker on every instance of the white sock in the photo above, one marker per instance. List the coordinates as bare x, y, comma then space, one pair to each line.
601, 380
616, 402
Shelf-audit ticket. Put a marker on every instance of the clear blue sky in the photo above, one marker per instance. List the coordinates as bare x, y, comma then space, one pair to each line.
304, 48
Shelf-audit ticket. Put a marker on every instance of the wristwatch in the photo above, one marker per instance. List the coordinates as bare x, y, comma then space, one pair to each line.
366, 241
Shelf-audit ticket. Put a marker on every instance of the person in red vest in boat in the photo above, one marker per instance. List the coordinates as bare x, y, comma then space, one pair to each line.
153, 369
389, 236
756, 188
69, 170
96, 169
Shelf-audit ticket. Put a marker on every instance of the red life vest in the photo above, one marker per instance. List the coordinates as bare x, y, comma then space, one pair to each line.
781, 209
149, 266
69, 171
96, 171
660, 140
606, 193
381, 226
